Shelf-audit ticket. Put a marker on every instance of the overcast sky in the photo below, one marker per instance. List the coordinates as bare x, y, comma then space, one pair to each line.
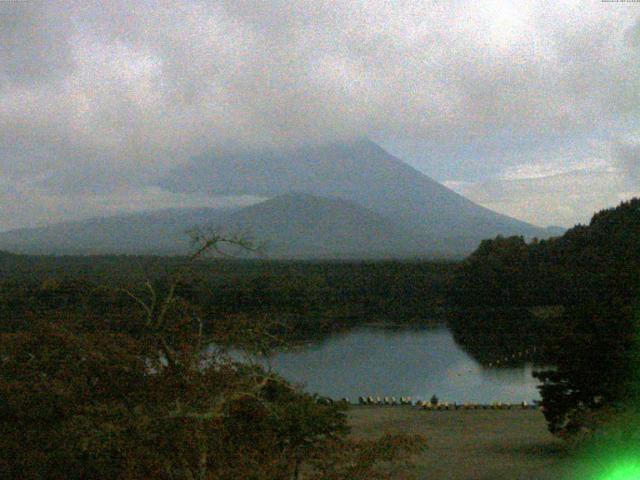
528, 108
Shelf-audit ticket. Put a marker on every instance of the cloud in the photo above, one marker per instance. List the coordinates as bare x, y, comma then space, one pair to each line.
34, 48
627, 157
553, 192
103, 96
26, 205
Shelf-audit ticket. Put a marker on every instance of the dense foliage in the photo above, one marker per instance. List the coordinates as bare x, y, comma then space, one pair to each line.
598, 258
305, 299
108, 382
592, 273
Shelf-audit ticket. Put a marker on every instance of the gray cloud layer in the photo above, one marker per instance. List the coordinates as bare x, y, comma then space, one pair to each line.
628, 160
103, 97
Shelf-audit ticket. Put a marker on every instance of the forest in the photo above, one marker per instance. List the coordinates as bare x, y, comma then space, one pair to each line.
302, 299
577, 297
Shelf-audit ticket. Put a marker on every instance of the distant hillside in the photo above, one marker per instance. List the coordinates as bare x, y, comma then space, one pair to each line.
157, 232
292, 226
588, 261
554, 231
299, 225
360, 172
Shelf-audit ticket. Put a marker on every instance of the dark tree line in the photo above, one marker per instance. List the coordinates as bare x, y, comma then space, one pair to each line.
308, 299
593, 273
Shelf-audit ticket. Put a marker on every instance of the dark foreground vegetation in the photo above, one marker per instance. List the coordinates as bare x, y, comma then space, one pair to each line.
114, 382
103, 404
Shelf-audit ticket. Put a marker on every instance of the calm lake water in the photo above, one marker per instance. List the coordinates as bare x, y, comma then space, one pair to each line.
398, 362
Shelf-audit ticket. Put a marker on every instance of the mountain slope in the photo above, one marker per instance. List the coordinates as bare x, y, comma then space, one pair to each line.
360, 172
291, 225
157, 232
300, 225
358, 201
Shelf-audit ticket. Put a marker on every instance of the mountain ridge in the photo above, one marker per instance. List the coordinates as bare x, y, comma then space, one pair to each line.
292, 225
358, 171
341, 200
124, 233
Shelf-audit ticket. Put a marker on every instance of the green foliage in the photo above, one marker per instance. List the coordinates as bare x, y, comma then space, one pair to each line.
596, 356
78, 404
298, 300
508, 272
110, 382
593, 273
596, 344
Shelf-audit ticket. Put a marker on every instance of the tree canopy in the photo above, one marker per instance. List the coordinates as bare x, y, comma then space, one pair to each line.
154, 395
593, 273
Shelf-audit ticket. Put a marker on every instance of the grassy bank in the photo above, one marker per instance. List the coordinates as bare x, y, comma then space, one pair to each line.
471, 445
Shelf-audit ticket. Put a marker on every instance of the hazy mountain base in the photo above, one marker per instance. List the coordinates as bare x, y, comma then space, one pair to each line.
160, 233
289, 226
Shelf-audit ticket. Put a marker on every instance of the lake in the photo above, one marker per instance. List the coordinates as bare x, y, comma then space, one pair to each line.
416, 362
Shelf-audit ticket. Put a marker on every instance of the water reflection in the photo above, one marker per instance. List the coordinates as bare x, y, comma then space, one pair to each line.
401, 362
